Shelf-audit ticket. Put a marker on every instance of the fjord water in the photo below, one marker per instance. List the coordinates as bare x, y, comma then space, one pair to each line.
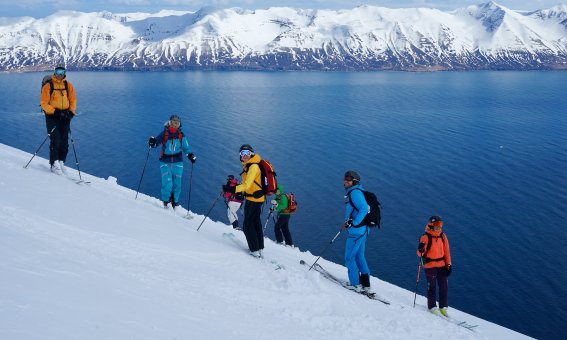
485, 150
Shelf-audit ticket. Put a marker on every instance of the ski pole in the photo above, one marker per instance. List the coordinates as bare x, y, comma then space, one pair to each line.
207, 215
267, 219
190, 186
328, 245
36, 151
75, 152
144, 170
417, 280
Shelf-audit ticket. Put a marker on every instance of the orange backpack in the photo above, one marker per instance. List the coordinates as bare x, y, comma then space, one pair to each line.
291, 204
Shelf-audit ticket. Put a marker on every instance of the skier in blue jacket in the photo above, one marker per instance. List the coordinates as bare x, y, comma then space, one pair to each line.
356, 209
173, 143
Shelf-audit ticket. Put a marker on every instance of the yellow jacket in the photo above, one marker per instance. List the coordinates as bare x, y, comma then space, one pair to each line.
59, 99
251, 179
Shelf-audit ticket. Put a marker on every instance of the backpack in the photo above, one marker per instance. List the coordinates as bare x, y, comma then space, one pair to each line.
372, 219
268, 177
291, 204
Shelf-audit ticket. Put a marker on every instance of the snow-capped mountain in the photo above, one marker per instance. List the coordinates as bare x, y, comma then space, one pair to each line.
485, 36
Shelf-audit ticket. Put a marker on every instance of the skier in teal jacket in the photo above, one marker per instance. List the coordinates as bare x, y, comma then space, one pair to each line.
174, 143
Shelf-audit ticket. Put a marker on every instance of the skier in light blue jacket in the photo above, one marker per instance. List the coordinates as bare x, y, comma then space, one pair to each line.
356, 209
173, 143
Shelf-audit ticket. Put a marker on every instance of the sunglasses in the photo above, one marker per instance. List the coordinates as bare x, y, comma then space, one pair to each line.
60, 72
245, 153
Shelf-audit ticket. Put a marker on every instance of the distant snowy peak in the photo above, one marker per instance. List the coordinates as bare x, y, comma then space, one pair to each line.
558, 13
490, 14
484, 36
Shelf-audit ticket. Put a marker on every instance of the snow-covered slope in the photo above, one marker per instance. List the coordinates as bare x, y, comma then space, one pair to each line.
485, 36
90, 262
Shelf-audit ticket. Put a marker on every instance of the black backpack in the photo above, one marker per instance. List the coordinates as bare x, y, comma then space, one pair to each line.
372, 219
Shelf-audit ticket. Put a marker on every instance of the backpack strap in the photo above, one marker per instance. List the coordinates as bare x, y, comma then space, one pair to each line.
429, 242
355, 208
245, 170
52, 88
166, 137
350, 199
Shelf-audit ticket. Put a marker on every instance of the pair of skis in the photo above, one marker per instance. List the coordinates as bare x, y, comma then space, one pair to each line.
317, 267
336, 280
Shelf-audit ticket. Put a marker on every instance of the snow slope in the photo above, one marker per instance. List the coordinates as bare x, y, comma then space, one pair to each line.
90, 262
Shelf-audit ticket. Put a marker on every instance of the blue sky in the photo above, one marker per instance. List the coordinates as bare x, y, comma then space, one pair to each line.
41, 8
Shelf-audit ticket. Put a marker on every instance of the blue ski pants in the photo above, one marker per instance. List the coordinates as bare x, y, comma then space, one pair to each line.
171, 174
354, 257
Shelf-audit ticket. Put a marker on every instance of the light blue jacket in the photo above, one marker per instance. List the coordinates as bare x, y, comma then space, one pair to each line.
357, 214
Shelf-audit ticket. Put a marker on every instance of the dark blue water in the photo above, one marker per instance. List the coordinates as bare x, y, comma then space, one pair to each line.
485, 150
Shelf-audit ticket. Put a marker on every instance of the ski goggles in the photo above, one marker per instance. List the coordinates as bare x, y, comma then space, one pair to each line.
349, 178
245, 153
60, 72
174, 122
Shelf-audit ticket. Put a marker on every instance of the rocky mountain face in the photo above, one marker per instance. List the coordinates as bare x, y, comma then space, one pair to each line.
481, 37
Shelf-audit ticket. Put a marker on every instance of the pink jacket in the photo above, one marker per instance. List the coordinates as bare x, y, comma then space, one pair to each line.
232, 197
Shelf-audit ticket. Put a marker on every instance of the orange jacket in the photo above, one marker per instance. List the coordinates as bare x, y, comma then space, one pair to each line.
59, 99
251, 179
439, 255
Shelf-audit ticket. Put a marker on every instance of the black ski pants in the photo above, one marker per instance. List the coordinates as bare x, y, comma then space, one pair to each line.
59, 139
437, 275
253, 225
281, 229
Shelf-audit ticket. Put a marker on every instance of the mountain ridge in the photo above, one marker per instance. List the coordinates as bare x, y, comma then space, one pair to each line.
366, 38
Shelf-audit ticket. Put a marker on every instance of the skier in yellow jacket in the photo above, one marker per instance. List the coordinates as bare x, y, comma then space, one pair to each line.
59, 103
254, 196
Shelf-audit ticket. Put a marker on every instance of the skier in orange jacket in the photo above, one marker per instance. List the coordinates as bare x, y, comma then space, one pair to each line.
434, 249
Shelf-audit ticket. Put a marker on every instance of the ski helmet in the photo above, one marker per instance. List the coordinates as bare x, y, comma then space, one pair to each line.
175, 118
435, 221
352, 174
246, 147
59, 69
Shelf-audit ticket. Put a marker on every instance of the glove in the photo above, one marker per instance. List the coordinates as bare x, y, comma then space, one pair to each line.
228, 189
347, 224
152, 142
272, 209
192, 157
421, 248
69, 115
448, 269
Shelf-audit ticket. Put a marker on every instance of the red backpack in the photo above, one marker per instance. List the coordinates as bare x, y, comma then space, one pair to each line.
291, 204
267, 176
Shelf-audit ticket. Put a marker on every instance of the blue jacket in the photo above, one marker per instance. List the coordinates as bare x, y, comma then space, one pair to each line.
173, 147
361, 210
